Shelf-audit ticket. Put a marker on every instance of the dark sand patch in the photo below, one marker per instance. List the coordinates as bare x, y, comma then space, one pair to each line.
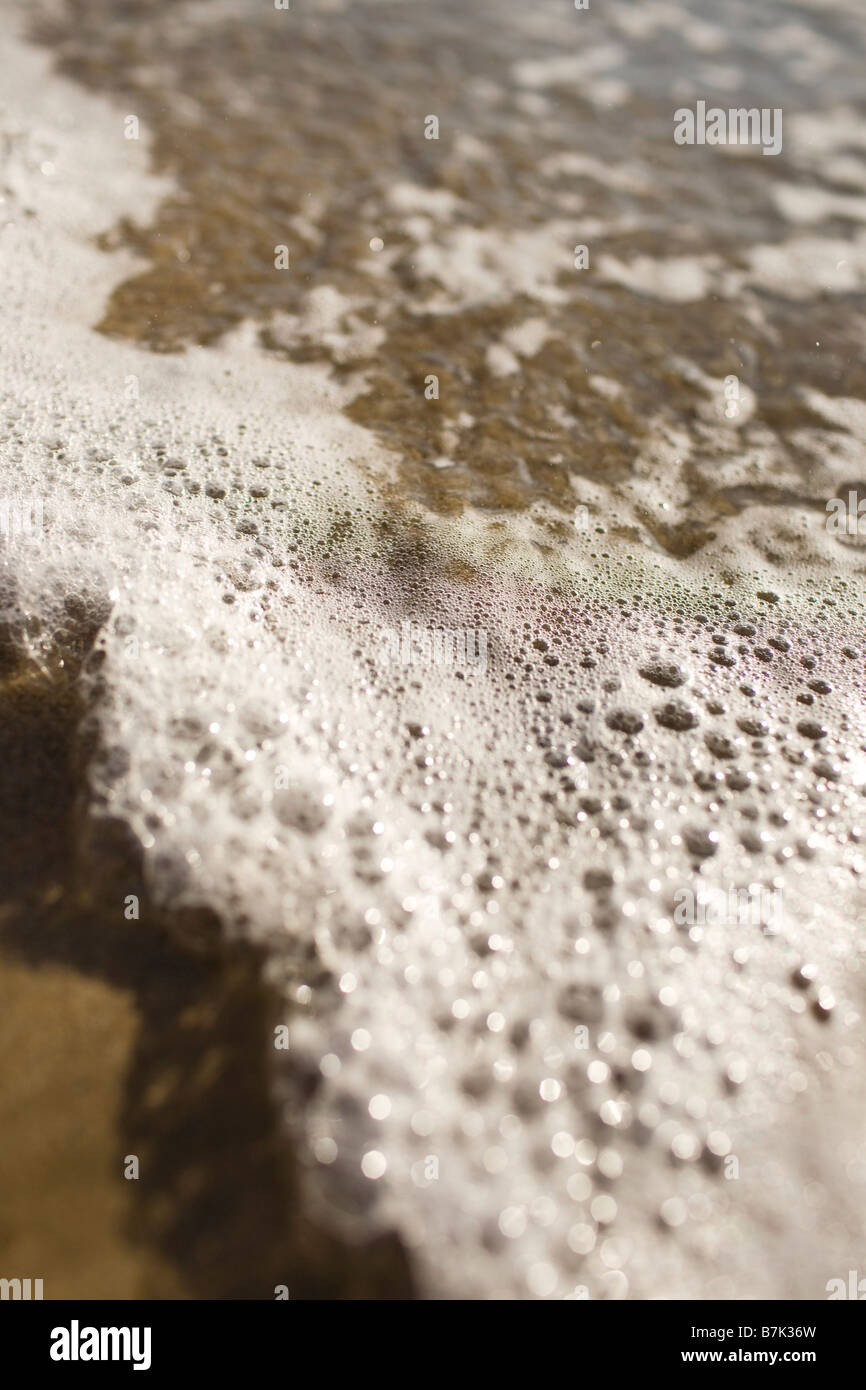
145, 1037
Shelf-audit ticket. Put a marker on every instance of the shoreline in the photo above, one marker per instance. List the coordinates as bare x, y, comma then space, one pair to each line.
428, 905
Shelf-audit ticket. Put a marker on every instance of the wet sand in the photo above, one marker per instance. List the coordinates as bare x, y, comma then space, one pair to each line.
140, 1038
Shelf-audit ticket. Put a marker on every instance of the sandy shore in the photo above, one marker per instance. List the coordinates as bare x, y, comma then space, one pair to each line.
513, 1071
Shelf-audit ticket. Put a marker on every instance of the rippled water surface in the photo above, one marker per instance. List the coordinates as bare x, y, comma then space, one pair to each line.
306, 128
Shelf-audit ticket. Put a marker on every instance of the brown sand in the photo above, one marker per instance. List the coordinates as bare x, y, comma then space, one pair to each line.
133, 1037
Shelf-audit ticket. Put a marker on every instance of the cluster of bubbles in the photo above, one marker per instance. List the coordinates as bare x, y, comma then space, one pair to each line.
502, 1042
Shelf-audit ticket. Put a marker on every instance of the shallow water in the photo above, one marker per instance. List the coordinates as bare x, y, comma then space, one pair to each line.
506, 1047
307, 128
